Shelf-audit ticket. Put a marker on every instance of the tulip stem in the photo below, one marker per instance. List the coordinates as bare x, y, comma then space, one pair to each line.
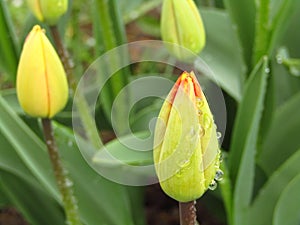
64, 56
82, 105
187, 213
63, 182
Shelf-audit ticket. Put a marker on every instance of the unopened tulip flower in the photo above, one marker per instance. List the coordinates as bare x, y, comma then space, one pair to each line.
48, 11
186, 150
181, 26
42, 86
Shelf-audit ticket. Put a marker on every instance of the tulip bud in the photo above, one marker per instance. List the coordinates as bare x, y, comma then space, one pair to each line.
42, 86
48, 11
186, 150
181, 25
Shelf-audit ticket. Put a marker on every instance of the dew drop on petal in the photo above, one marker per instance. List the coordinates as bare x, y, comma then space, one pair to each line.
213, 185
206, 121
219, 175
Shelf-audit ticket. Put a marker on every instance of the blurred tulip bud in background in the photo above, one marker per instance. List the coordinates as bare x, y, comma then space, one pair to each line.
42, 86
186, 149
181, 25
48, 11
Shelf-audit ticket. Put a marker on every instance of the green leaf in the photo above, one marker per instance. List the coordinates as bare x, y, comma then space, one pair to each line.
31, 199
109, 33
132, 10
242, 14
128, 149
223, 53
226, 189
283, 136
265, 201
282, 18
99, 199
9, 51
241, 161
28, 146
11, 162
287, 210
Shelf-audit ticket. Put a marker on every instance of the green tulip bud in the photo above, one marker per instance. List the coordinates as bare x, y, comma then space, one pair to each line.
42, 86
48, 11
186, 149
181, 25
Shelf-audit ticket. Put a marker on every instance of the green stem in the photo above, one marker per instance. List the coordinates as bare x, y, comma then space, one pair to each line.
187, 213
82, 106
110, 33
262, 30
63, 182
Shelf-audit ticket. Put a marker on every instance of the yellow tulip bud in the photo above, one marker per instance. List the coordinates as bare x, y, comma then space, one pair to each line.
42, 86
186, 149
181, 25
48, 11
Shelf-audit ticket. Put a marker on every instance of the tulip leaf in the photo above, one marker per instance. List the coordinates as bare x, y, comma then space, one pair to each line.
9, 51
10, 162
265, 202
98, 198
33, 206
223, 53
129, 150
28, 146
283, 11
283, 136
132, 10
287, 210
241, 161
242, 14
109, 33
87, 183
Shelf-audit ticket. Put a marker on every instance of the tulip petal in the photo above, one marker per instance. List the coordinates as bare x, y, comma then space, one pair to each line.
42, 86
186, 151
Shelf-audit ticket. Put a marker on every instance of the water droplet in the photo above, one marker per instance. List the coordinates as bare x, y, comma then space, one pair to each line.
185, 163
200, 112
200, 102
221, 157
295, 71
219, 135
68, 182
267, 70
279, 59
213, 185
179, 174
49, 142
206, 121
70, 143
219, 175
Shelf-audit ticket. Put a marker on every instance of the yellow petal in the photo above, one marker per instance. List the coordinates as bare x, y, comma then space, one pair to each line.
42, 87
186, 152
181, 25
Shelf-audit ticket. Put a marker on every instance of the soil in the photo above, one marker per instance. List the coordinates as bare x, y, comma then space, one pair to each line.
159, 210
162, 210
